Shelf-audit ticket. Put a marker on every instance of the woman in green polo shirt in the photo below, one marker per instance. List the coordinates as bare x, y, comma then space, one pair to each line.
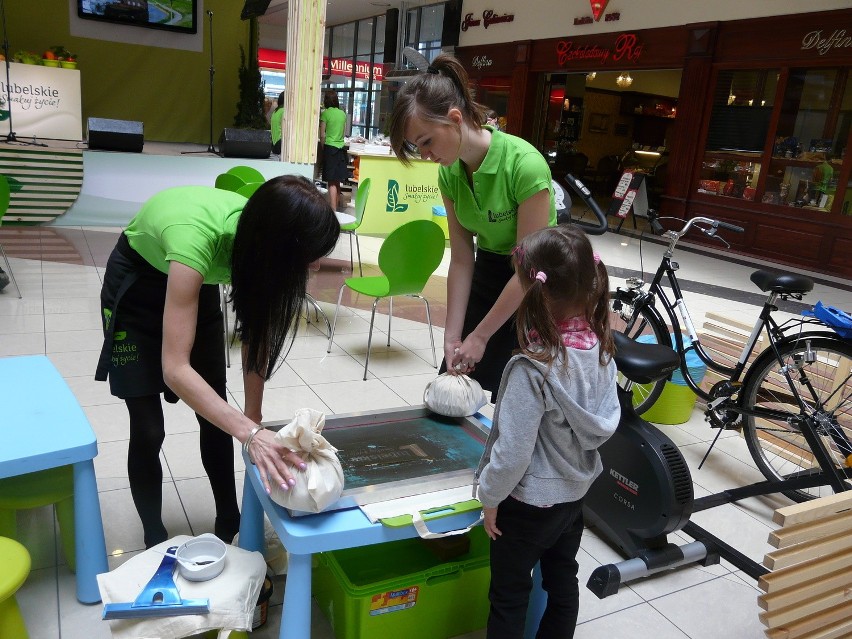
334, 161
164, 332
496, 188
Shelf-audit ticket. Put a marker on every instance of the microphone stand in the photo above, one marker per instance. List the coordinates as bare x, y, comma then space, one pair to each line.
210, 147
11, 137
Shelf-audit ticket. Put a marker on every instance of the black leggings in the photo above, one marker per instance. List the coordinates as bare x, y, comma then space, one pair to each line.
147, 433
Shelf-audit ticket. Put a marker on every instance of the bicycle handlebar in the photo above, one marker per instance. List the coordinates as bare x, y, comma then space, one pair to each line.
695, 221
584, 192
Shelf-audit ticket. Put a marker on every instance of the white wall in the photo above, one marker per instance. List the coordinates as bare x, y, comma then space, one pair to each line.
542, 19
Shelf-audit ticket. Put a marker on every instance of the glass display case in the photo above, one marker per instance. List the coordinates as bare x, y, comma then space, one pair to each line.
779, 137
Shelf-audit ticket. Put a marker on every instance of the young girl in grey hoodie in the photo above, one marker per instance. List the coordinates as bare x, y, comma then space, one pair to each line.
556, 405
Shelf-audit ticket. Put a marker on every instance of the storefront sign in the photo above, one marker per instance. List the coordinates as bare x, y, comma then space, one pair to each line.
481, 61
610, 17
626, 48
45, 101
837, 40
488, 18
275, 59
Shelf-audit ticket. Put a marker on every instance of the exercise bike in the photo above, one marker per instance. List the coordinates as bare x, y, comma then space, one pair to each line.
645, 491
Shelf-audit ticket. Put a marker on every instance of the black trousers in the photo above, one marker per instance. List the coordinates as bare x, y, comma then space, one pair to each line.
530, 535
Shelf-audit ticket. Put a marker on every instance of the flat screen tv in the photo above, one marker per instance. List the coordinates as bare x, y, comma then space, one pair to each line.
172, 15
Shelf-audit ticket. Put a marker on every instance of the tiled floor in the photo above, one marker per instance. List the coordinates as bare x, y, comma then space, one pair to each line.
60, 270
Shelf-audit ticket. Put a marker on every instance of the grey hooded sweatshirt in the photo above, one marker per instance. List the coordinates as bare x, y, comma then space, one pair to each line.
548, 425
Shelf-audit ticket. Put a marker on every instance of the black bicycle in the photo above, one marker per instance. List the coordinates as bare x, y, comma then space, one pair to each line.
793, 403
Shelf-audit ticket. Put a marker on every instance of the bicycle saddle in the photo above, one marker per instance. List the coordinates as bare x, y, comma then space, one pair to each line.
782, 282
643, 363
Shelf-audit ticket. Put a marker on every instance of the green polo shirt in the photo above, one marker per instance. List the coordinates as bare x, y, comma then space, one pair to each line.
192, 225
275, 123
335, 123
513, 170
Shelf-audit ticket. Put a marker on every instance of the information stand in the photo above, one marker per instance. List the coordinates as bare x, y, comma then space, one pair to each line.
631, 195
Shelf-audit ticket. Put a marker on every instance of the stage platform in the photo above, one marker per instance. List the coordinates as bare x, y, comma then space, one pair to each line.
62, 183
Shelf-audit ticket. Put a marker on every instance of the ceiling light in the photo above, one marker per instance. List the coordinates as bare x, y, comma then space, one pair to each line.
624, 80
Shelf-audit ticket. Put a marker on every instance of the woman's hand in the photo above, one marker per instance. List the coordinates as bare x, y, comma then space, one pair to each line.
490, 522
467, 355
275, 463
451, 355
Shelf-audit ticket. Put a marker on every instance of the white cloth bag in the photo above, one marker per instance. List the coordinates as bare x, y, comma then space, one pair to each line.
454, 395
321, 483
232, 595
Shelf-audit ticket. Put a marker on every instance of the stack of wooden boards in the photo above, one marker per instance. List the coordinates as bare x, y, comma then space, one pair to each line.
808, 593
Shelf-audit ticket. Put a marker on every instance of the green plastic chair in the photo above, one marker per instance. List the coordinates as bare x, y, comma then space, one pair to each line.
407, 258
16, 564
54, 486
238, 177
5, 198
361, 196
247, 174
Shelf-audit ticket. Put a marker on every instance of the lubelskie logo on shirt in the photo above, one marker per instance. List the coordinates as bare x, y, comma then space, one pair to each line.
501, 216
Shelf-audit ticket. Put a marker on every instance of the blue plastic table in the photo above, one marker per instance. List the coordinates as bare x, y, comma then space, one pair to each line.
44, 427
303, 536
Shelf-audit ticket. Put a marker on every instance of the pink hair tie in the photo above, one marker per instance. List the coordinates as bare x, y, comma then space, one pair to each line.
596, 257
541, 276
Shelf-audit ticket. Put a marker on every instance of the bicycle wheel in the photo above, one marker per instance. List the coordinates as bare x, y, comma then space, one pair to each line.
776, 445
635, 323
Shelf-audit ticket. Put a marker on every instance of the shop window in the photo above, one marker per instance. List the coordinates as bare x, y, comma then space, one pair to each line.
801, 152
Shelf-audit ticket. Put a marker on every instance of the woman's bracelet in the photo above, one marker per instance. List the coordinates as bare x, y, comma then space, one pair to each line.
247, 443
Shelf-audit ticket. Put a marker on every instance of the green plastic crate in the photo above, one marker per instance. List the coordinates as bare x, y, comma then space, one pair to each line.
403, 589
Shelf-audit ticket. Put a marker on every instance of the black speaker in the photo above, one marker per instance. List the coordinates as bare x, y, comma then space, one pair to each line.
452, 23
245, 143
391, 35
115, 135
254, 9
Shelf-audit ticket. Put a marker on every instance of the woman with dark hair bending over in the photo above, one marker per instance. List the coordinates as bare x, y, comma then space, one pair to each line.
164, 332
496, 187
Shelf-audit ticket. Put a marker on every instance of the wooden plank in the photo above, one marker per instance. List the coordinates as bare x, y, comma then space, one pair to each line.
798, 533
800, 553
781, 579
801, 628
815, 509
807, 607
728, 321
840, 630
804, 590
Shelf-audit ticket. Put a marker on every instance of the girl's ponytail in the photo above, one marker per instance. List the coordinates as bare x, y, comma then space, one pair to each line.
599, 305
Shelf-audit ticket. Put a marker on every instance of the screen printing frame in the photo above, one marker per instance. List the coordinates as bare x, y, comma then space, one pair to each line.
410, 486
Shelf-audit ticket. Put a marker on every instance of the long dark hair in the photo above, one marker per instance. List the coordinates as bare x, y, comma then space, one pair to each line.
430, 96
285, 225
574, 282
